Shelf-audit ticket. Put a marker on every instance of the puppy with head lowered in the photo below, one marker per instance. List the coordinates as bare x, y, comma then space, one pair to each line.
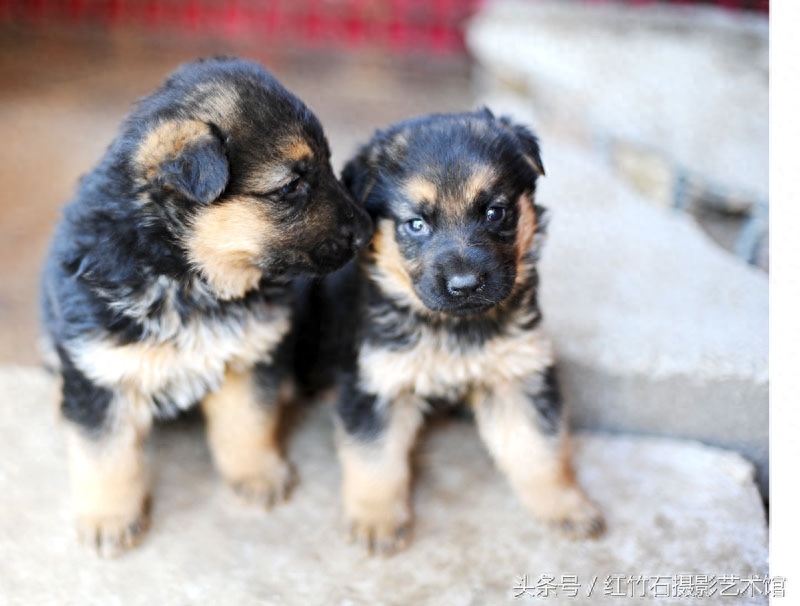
169, 283
446, 299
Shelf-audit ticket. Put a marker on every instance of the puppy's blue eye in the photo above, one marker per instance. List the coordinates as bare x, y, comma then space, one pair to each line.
417, 226
495, 214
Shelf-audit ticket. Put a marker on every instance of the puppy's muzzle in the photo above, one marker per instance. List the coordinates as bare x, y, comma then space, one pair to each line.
353, 232
464, 282
356, 225
357, 228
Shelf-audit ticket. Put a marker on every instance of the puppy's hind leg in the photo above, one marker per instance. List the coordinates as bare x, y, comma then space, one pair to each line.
242, 426
375, 440
107, 471
523, 427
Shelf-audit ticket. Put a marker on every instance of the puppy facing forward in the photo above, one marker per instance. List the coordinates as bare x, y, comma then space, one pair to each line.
169, 283
447, 312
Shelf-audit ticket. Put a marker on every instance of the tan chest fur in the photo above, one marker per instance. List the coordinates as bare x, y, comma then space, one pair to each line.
185, 367
435, 368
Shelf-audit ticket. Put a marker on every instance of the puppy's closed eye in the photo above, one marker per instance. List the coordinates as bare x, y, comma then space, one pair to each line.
291, 186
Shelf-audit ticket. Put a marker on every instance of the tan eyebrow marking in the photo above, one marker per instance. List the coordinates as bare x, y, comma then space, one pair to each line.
298, 150
420, 189
481, 180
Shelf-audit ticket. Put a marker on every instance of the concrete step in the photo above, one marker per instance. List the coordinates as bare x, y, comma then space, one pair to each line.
673, 508
657, 330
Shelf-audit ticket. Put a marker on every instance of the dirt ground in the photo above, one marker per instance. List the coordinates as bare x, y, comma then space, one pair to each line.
63, 94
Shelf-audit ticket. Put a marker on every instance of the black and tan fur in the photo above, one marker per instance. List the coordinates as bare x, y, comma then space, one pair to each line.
443, 306
169, 283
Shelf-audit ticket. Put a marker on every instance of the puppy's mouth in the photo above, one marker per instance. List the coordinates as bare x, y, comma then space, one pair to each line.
470, 306
464, 294
325, 258
468, 310
330, 256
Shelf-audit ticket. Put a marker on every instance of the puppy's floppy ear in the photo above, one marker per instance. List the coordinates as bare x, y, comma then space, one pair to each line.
200, 172
187, 157
528, 142
542, 218
358, 178
540, 235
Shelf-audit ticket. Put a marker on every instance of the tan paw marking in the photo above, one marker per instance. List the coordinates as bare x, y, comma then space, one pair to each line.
380, 530
574, 516
272, 486
110, 536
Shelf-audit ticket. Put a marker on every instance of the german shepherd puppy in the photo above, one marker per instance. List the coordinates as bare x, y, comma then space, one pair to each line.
169, 282
443, 306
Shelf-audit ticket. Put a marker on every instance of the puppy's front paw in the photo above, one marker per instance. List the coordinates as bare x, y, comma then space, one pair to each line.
272, 485
111, 535
585, 522
380, 529
571, 513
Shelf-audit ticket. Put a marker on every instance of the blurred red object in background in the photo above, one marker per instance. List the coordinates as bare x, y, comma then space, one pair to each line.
402, 26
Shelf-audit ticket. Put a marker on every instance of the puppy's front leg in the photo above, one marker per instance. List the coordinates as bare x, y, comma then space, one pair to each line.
375, 439
523, 427
242, 425
105, 430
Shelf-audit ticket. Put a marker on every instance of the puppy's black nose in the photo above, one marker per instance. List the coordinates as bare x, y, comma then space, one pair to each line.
463, 284
355, 236
361, 240
358, 229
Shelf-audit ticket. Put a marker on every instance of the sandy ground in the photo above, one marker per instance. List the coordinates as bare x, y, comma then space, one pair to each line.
672, 508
